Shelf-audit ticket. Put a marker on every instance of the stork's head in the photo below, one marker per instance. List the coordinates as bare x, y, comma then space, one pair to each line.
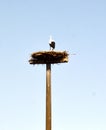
51, 40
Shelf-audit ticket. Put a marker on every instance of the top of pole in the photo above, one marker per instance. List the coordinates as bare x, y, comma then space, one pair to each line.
49, 57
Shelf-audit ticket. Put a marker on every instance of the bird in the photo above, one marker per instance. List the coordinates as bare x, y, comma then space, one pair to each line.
51, 43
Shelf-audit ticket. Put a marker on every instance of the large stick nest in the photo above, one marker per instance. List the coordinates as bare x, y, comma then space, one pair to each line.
49, 57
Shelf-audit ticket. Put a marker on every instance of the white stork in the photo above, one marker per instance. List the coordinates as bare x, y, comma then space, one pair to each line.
51, 43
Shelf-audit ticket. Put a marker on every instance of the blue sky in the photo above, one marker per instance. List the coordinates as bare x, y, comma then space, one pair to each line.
78, 87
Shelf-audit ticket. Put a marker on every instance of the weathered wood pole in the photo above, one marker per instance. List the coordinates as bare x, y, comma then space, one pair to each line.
48, 58
48, 97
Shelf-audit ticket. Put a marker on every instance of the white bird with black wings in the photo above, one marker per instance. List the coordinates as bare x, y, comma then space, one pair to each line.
51, 43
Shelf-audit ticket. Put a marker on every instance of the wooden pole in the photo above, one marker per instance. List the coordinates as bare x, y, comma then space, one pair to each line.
48, 58
48, 96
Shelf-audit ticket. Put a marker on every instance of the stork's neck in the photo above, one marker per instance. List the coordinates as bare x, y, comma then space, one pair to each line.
50, 40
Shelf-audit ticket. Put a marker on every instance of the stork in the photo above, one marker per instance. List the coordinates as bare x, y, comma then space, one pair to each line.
51, 43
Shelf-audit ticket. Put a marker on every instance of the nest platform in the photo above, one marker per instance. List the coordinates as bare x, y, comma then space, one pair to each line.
49, 57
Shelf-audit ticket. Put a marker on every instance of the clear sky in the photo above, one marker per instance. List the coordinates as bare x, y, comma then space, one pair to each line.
78, 87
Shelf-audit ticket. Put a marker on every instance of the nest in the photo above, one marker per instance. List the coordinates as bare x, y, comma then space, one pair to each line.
48, 57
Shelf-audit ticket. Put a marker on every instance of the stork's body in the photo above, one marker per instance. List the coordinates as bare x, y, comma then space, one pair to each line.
51, 43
